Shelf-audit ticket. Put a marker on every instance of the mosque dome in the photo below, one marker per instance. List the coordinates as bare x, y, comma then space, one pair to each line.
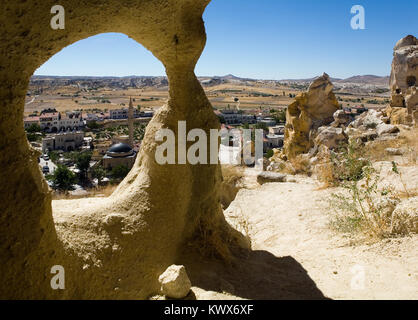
120, 150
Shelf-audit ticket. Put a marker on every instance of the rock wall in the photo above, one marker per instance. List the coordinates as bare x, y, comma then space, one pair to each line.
405, 64
115, 247
403, 82
306, 114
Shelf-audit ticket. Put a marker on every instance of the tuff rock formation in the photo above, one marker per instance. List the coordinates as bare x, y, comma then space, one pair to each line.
115, 247
306, 114
403, 82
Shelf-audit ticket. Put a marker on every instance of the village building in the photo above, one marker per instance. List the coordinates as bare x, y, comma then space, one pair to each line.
268, 121
30, 121
120, 114
278, 130
52, 121
234, 117
275, 137
98, 117
273, 141
65, 141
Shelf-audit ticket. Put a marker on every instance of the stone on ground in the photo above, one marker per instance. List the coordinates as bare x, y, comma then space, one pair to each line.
405, 217
175, 282
330, 137
270, 177
386, 129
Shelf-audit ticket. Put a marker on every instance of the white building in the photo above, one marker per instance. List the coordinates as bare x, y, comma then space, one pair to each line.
65, 141
52, 121
121, 114
274, 141
279, 130
268, 121
234, 117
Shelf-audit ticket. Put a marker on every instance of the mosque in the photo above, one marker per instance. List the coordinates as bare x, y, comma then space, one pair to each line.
122, 152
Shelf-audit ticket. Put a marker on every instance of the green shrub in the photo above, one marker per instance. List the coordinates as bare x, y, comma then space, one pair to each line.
62, 179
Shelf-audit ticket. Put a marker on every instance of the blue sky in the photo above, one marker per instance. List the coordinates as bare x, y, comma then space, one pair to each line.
262, 39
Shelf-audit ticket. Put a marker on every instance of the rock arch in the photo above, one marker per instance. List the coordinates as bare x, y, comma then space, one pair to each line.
114, 247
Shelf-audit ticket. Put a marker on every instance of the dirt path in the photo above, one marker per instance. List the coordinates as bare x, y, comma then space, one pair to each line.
297, 256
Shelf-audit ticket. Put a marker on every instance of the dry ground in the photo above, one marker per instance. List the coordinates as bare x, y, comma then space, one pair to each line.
297, 256
220, 96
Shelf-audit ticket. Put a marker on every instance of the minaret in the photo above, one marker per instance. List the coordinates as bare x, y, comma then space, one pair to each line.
131, 123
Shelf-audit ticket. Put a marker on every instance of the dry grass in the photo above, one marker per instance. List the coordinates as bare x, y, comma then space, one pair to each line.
231, 184
101, 192
325, 174
232, 174
298, 165
213, 237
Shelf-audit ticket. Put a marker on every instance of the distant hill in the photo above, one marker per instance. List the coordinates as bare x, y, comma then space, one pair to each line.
367, 79
307, 80
149, 81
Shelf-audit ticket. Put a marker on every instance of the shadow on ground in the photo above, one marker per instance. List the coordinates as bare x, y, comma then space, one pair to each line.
255, 275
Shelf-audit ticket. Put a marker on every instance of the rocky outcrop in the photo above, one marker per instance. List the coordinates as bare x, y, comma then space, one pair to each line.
405, 217
371, 122
384, 128
367, 120
341, 118
405, 64
398, 115
403, 81
330, 137
411, 102
306, 114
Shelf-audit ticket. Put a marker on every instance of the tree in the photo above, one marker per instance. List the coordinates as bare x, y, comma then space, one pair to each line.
33, 128
261, 125
63, 179
54, 156
32, 137
93, 125
221, 119
280, 116
82, 163
99, 173
120, 172
269, 153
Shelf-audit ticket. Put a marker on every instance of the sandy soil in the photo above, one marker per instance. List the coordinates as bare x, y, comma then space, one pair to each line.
297, 256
